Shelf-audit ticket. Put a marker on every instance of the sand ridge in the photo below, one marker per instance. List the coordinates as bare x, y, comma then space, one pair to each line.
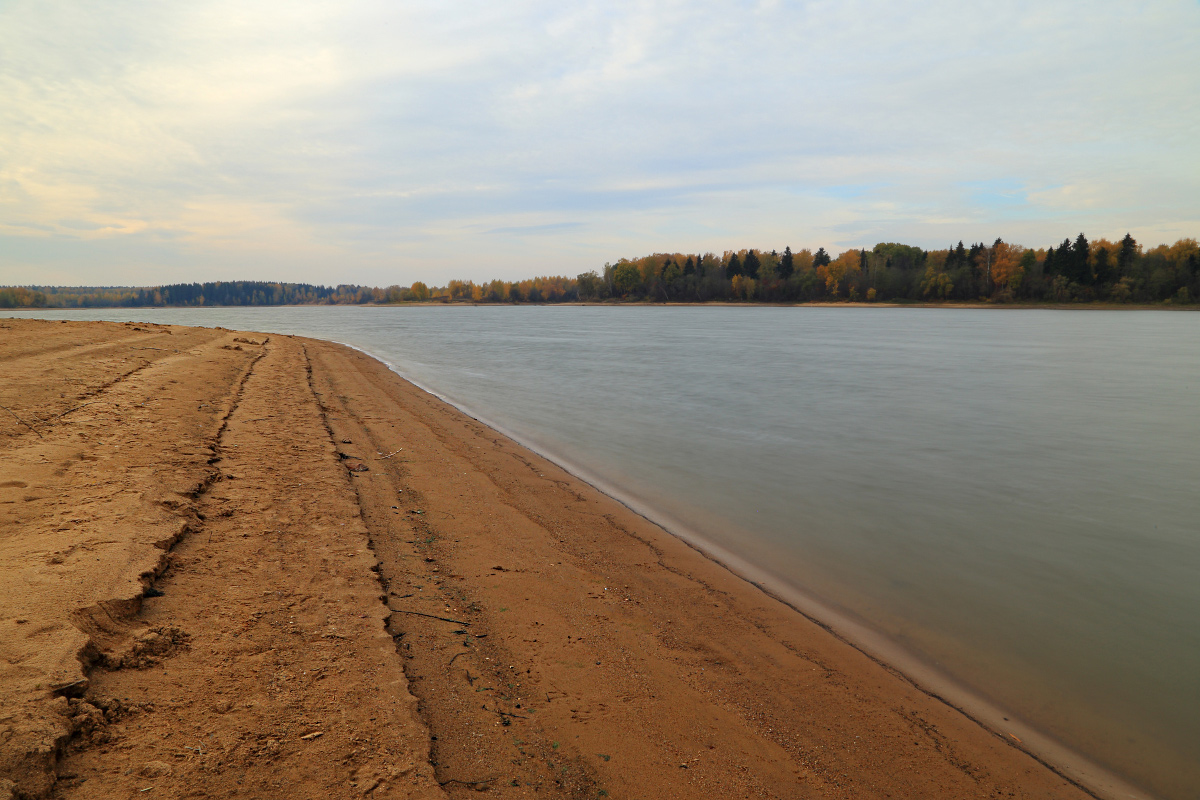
193, 610
89, 504
270, 567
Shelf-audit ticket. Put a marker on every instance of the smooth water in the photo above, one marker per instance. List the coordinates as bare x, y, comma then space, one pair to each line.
1010, 494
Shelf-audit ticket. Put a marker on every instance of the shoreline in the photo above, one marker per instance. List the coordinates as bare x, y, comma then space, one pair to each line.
521, 551
937, 684
1095, 306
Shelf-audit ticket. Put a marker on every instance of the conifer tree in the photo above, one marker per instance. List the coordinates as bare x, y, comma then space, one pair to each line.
734, 267
1050, 265
1066, 260
1080, 252
750, 268
787, 263
1126, 255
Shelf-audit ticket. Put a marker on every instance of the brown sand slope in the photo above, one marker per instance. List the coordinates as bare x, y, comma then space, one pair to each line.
268, 628
555, 643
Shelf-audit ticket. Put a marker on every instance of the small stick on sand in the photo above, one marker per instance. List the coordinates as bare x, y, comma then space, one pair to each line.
504, 713
389, 455
23, 422
69, 410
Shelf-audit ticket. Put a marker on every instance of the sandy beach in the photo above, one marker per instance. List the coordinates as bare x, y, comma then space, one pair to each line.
265, 566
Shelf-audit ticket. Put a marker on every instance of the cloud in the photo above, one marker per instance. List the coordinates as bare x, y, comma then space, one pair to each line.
534, 230
381, 142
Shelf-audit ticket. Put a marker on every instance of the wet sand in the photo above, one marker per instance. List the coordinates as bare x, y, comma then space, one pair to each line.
264, 567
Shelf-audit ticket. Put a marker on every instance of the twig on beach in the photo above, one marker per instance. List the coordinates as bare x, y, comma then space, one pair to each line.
76, 408
389, 455
431, 616
456, 655
504, 713
23, 422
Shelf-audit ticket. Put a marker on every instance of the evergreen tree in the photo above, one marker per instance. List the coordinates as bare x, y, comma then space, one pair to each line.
787, 263
750, 268
734, 267
688, 266
1126, 255
1079, 261
977, 258
821, 258
1065, 262
1050, 265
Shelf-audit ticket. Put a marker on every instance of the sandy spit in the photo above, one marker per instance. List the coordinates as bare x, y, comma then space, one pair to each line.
240, 565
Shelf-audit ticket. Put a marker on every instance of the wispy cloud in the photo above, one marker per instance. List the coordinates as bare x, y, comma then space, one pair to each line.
535, 230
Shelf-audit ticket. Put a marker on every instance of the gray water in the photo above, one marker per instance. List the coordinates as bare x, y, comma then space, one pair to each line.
1010, 495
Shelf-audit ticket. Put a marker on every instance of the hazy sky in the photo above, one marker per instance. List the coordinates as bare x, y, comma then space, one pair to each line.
384, 142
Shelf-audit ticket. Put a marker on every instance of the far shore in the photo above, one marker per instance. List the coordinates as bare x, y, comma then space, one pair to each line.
653, 304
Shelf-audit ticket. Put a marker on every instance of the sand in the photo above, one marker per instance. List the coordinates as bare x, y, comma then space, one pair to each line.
240, 565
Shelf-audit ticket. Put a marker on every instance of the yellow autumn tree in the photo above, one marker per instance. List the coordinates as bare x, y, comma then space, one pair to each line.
1179, 252
744, 287
834, 272
1006, 265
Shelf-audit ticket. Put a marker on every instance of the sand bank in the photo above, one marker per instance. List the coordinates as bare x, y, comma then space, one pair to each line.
255, 567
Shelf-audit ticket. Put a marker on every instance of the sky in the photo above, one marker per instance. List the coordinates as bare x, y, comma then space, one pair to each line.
383, 142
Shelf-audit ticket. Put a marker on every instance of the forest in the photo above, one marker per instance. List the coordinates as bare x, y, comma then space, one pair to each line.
1075, 271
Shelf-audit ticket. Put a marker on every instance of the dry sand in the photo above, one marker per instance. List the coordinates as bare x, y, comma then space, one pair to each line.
264, 567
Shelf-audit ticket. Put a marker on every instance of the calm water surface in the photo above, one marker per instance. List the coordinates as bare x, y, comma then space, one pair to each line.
1012, 495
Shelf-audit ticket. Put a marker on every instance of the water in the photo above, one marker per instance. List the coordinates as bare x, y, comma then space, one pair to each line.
1010, 495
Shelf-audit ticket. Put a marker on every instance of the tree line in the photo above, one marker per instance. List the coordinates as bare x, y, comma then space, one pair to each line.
216, 293
1075, 271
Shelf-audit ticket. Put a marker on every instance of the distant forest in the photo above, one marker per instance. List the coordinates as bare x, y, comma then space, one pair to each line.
1075, 271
